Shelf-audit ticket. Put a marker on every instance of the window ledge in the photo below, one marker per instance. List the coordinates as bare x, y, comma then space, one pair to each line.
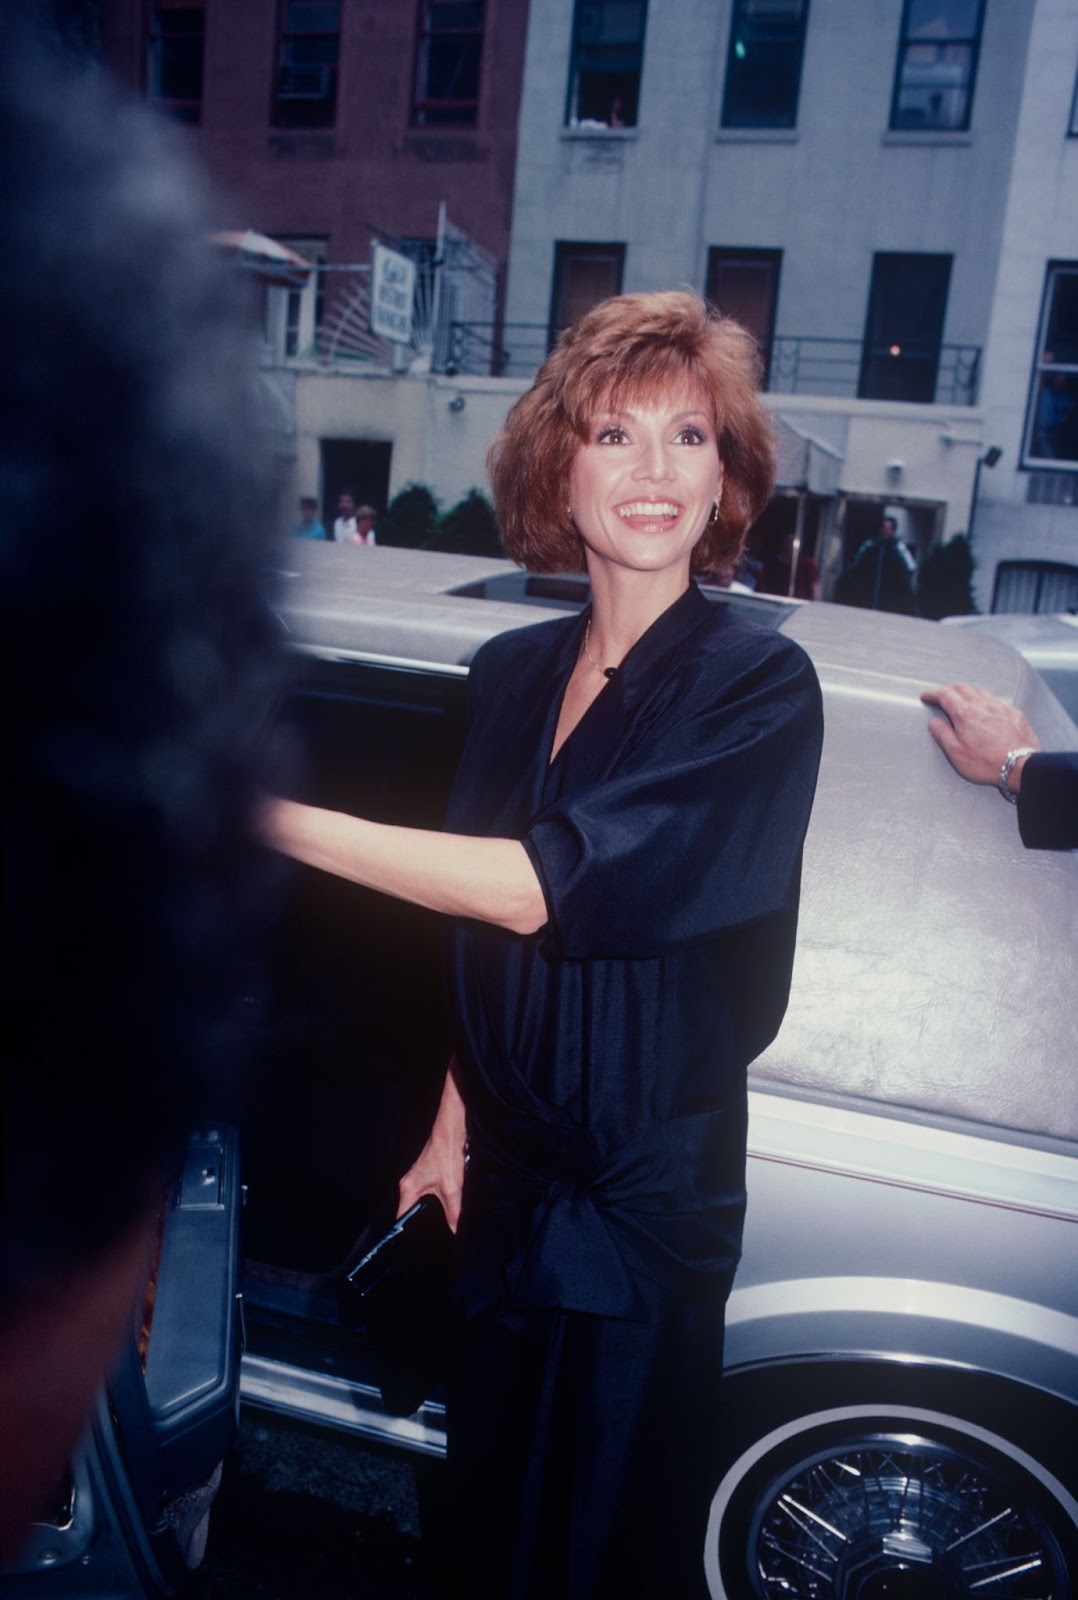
446, 144
314, 144
599, 131
757, 136
930, 136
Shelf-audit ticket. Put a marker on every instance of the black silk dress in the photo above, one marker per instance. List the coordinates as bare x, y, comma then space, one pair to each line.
602, 1062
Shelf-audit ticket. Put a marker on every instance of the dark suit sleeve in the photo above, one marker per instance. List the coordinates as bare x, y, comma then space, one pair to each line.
1048, 802
698, 831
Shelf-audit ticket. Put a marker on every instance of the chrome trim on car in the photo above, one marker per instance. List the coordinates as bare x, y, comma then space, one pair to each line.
370, 658
880, 1145
338, 1403
882, 1297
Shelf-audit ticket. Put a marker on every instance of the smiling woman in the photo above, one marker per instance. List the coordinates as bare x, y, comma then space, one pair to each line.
630, 349
621, 870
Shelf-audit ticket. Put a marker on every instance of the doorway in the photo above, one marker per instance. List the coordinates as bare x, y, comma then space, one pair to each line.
361, 465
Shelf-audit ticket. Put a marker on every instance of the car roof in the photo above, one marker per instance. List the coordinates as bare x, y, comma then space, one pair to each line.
1049, 643
935, 955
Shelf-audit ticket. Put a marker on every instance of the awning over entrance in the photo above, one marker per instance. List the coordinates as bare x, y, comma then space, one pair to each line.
806, 461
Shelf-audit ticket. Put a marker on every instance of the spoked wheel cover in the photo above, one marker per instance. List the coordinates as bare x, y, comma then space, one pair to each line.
899, 1517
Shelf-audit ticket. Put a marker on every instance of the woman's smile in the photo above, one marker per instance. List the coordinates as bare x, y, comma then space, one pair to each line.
650, 516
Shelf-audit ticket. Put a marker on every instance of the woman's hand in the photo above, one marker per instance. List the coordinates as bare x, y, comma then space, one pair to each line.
439, 1169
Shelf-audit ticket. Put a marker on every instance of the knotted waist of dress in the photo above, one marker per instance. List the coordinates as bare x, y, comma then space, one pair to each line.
552, 1222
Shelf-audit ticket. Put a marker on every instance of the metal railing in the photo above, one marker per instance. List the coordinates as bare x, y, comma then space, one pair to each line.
799, 364
498, 350
843, 368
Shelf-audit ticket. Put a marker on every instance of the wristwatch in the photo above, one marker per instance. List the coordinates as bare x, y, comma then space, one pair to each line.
1010, 761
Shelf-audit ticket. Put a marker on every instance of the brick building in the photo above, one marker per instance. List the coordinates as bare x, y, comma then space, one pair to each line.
331, 125
330, 121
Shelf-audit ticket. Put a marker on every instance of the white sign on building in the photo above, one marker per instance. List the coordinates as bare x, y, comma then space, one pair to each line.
392, 295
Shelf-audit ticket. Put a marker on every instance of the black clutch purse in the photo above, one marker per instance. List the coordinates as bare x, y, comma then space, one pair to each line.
398, 1293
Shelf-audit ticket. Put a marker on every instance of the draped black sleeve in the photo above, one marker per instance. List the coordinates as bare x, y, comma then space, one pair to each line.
1048, 802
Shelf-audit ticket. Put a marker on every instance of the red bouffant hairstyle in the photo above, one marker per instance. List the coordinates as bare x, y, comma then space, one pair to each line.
622, 352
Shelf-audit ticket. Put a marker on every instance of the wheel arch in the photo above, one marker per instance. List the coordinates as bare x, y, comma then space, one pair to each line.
903, 1320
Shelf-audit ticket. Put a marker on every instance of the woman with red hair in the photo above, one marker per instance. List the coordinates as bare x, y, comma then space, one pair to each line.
621, 866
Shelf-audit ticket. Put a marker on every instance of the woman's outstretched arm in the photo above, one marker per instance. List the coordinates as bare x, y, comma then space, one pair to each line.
489, 879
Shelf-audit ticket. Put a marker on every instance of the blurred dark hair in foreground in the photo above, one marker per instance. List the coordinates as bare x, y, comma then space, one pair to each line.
135, 512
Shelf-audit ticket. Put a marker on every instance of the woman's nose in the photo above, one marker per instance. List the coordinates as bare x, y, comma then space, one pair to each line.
654, 460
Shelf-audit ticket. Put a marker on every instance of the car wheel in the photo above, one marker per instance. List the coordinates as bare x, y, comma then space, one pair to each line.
890, 1502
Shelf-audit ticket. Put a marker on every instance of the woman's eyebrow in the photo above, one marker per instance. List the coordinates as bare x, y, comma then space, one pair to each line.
624, 414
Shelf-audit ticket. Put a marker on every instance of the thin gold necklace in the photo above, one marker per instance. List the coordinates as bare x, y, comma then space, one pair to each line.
607, 672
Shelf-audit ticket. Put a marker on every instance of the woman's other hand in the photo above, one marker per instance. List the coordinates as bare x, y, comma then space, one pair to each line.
439, 1168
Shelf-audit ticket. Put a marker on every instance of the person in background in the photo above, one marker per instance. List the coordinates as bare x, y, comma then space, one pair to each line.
364, 533
140, 662
880, 576
988, 740
775, 578
308, 526
725, 577
1055, 414
344, 526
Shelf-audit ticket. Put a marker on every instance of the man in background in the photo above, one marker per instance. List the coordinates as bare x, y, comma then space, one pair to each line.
880, 576
344, 526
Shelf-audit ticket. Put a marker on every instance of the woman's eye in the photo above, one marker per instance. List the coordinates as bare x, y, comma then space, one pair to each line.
610, 435
691, 436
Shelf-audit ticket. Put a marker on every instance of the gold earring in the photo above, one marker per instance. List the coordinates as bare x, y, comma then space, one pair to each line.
714, 517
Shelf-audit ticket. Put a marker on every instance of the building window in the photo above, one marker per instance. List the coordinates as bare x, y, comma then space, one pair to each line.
744, 284
305, 92
1036, 586
763, 68
937, 64
448, 59
305, 307
608, 52
1052, 424
177, 40
584, 274
904, 329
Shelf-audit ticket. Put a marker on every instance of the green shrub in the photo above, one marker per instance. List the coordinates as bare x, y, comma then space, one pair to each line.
945, 581
411, 518
470, 528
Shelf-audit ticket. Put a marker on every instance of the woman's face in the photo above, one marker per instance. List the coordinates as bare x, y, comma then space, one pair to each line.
642, 486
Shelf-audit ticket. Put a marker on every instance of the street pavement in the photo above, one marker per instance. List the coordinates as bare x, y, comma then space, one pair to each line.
301, 1516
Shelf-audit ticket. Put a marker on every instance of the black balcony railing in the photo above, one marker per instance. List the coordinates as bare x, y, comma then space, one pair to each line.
842, 368
805, 365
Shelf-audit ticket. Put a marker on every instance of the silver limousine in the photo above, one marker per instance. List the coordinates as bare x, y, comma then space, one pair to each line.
902, 1349
902, 1344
